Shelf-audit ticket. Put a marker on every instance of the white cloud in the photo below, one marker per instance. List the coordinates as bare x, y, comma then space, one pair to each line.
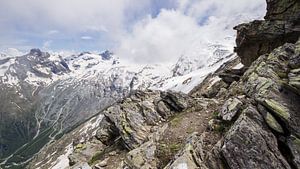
47, 45
127, 25
167, 36
70, 15
159, 39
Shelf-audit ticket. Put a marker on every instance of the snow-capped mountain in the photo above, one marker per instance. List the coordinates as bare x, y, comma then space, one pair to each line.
201, 59
47, 95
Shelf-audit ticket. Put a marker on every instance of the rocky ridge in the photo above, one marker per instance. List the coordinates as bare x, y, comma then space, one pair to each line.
281, 25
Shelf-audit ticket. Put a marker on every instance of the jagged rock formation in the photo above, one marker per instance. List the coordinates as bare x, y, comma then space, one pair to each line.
281, 25
141, 129
260, 136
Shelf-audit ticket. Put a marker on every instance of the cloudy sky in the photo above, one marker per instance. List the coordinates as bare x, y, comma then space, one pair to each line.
139, 29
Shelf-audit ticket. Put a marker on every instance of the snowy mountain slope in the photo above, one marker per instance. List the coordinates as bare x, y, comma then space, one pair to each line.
52, 95
201, 59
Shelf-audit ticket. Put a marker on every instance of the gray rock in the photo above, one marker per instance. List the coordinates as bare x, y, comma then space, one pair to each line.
144, 157
177, 101
136, 116
294, 146
230, 108
263, 83
163, 109
191, 156
229, 77
102, 163
214, 157
249, 144
261, 37
81, 166
214, 124
106, 131
282, 10
270, 120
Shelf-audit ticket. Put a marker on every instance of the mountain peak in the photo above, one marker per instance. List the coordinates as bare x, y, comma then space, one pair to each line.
35, 51
106, 55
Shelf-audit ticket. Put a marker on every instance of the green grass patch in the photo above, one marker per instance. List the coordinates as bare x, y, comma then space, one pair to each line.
96, 157
215, 115
165, 152
175, 121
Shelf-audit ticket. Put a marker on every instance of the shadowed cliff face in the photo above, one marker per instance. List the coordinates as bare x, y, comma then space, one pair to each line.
281, 25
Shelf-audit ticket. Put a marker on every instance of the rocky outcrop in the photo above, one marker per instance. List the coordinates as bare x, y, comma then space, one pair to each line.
250, 144
265, 133
287, 10
144, 156
136, 116
191, 156
264, 83
281, 25
230, 109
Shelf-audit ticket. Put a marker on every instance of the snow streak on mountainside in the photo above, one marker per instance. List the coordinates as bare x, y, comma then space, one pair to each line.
194, 65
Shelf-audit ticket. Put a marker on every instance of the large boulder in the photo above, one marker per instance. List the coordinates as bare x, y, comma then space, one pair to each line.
191, 156
250, 144
260, 37
106, 132
230, 109
144, 157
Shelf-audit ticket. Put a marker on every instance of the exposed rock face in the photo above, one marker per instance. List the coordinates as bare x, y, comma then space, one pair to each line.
230, 108
283, 10
136, 116
191, 156
282, 25
294, 146
249, 144
266, 134
264, 83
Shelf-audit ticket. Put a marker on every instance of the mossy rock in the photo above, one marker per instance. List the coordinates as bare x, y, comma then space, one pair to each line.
277, 108
165, 152
296, 141
79, 147
97, 156
272, 122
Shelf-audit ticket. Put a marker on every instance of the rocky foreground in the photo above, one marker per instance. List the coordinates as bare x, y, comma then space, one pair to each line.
239, 117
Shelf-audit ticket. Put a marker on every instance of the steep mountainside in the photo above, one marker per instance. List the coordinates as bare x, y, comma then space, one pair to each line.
238, 117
